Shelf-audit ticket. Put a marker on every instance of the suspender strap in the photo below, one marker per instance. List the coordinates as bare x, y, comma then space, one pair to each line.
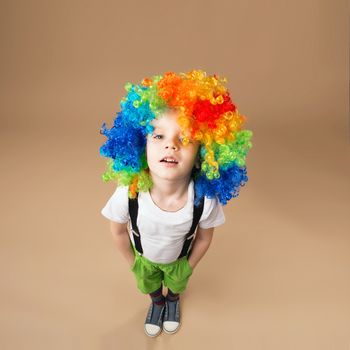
197, 213
133, 210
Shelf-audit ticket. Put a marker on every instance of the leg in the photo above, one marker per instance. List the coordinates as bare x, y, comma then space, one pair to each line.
176, 278
171, 322
155, 313
149, 281
172, 296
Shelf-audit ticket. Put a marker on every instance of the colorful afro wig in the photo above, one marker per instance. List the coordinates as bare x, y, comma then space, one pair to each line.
206, 114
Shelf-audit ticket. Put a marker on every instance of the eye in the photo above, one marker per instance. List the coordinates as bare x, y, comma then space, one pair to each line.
158, 136
182, 139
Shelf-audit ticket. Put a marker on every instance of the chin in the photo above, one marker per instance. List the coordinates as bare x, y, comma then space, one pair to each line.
166, 176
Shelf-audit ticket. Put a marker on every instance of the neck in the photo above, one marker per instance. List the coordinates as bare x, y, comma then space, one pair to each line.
165, 188
170, 195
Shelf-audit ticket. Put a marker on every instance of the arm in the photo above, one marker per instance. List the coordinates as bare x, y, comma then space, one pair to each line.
200, 245
122, 241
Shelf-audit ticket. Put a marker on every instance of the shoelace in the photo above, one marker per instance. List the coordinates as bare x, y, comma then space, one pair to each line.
172, 311
152, 317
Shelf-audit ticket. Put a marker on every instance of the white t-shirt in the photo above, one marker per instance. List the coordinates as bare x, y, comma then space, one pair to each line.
162, 232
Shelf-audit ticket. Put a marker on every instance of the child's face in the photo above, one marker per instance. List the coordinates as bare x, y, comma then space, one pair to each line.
167, 157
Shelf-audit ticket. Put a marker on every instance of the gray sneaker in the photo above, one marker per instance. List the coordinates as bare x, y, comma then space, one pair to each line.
171, 322
154, 320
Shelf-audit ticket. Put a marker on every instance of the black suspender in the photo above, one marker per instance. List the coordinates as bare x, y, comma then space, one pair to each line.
133, 211
197, 213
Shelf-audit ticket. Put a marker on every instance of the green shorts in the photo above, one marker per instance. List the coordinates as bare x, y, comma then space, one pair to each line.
150, 275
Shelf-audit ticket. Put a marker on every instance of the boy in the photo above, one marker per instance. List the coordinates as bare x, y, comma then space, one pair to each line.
178, 162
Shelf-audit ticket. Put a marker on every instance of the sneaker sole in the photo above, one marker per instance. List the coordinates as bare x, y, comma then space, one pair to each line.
152, 335
171, 332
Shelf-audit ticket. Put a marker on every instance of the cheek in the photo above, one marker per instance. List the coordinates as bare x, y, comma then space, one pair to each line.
195, 150
191, 156
151, 153
147, 152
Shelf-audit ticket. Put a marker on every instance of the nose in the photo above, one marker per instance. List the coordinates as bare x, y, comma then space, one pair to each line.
172, 144
171, 147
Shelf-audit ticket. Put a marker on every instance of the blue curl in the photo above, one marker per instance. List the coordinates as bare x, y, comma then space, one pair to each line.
224, 188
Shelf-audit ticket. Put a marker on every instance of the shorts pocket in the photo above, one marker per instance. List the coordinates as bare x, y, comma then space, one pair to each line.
188, 265
134, 263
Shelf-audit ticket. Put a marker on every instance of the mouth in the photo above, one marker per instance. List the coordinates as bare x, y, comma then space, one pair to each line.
170, 160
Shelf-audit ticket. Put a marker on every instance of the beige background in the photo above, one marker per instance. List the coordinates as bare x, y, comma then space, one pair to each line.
277, 275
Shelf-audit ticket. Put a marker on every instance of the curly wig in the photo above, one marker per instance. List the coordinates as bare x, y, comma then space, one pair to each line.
206, 114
